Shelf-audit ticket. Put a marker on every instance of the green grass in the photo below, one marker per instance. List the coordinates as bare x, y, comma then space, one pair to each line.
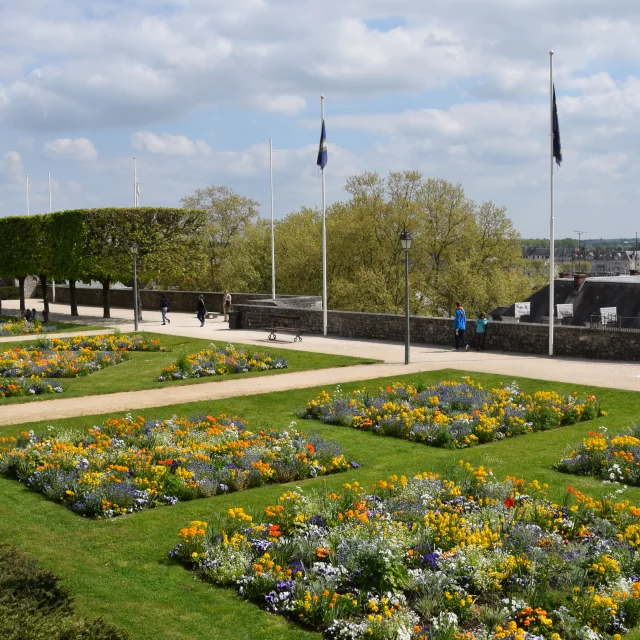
119, 568
143, 369
61, 327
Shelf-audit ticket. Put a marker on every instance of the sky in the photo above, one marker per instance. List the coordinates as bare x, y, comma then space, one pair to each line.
457, 89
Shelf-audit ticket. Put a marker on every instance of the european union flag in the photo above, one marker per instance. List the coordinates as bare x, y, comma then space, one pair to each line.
557, 147
322, 152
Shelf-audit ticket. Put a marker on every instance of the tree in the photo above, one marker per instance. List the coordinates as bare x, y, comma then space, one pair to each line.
247, 266
169, 244
22, 242
228, 215
70, 250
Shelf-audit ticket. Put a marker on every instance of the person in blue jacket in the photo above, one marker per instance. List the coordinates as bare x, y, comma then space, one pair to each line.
481, 331
460, 327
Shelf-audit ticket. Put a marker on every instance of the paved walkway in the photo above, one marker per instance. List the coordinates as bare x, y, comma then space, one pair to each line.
618, 375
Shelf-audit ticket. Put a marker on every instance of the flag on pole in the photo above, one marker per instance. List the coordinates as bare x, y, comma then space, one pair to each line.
557, 147
322, 151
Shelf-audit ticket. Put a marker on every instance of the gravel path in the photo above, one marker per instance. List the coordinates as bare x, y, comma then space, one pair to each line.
588, 372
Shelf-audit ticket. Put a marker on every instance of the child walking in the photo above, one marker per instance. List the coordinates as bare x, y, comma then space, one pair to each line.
481, 331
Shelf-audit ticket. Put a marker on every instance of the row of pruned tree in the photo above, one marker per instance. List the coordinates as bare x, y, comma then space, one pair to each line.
95, 244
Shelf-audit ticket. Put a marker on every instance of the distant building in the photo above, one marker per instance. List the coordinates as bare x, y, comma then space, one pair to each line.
587, 295
604, 262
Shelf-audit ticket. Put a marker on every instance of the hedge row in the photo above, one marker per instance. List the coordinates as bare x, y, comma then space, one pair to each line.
9, 293
35, 605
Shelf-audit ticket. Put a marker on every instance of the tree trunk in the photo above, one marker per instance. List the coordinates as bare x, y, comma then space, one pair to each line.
45, 293
73, 300
21, 280
105, 299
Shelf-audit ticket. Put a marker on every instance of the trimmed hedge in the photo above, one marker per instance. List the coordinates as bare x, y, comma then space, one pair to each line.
9, 293
35, 605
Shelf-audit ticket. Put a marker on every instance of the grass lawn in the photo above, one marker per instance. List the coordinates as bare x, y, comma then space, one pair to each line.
61, 327
119, 568
141, 371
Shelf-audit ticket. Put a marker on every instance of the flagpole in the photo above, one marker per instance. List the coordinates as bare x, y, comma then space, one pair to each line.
135, 184
324, 241
273, 246
551, 221
53, 282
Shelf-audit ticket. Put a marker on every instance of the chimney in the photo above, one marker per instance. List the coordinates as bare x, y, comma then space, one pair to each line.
578, 280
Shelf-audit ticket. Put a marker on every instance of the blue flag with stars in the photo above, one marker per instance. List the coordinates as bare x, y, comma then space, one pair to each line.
557, 147
322, 152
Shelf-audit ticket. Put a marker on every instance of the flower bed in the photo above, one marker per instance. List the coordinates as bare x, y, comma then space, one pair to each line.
32, 386
132, 464
614, 459
431, 559
220, 361
105, 342
451, 414
21, 328
20, 362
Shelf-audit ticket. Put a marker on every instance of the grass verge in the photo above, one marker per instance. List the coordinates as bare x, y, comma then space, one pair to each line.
119, 568
143, 368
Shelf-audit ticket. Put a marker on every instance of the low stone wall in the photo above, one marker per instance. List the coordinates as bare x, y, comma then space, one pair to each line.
185, 301
578, 342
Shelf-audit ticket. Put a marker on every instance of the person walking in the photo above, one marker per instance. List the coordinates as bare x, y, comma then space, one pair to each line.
481, 331
202, 310
164, 309
460, 327
226, 304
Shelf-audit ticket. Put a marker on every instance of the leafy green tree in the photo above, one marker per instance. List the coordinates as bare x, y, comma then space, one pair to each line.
70, 250
228, 216
21, 253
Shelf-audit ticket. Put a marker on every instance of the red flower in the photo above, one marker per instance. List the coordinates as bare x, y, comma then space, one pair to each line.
274, 530
509, 503
310, 448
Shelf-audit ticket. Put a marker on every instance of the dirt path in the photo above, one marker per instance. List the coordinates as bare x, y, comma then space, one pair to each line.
610, 375
619, 375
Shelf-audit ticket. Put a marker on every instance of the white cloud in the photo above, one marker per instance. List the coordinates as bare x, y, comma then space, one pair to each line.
455, 89
79, 149
11, 165
169, 145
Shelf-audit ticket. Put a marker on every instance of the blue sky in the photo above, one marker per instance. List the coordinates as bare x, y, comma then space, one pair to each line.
195, 88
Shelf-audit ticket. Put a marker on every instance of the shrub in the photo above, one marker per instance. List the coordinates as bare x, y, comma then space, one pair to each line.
9, 293
35, 605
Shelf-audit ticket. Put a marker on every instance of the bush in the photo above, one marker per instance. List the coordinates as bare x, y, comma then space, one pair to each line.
9, 293
35, 605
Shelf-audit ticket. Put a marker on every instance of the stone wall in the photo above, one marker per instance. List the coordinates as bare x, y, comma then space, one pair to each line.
185, 301
515, 337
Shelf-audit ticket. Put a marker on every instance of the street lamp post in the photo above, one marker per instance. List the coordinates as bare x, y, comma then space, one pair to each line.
405, 241
134, 253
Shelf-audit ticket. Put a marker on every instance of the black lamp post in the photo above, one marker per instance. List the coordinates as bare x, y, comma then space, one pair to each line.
134, 253
405, 241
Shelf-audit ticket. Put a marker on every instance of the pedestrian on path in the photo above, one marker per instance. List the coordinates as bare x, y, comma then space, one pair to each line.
164, 309
226, 304
460, 327
481, 331
202, 310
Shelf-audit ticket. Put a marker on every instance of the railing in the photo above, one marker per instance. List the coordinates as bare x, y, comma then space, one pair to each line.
614, 322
